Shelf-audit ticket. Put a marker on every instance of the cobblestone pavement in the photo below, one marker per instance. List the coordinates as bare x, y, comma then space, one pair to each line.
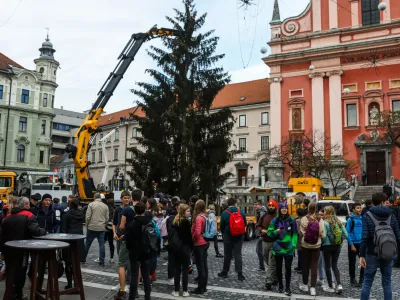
231, 288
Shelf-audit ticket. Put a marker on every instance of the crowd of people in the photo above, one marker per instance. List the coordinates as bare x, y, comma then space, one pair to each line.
143, 227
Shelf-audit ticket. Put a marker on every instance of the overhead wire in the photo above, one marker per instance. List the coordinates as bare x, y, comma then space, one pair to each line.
12, 14
254, 37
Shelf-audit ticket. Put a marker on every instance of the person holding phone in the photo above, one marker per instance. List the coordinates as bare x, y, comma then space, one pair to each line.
283, 230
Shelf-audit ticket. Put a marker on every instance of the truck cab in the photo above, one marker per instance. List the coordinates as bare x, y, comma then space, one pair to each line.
7, 184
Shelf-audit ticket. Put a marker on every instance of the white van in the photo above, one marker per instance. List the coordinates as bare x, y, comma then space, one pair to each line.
342, 208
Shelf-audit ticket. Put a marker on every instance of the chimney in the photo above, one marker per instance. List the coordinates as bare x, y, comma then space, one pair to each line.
62, 107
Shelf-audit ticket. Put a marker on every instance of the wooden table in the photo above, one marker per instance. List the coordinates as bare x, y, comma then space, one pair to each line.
38, 249
73, 240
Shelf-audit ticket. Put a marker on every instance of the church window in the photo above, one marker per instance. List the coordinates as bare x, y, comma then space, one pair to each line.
296, 118
370, 12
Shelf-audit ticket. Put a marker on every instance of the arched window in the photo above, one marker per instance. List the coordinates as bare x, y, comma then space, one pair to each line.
370, 12
21, 153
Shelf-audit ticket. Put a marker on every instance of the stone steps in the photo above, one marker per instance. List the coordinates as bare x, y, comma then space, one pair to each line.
366, 192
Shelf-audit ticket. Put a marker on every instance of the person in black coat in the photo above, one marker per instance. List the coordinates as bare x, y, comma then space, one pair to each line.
20, 224
183, 228
45, 214
138, 255
72, 222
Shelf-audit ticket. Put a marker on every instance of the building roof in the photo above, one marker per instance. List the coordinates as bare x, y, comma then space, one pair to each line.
55, 159
115, 117
4, 61
237, 94
244, 93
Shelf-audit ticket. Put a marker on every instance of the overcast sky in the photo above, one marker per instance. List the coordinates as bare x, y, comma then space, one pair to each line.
88, 36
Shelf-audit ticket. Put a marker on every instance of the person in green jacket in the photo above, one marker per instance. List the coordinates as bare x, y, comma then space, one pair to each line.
283, 230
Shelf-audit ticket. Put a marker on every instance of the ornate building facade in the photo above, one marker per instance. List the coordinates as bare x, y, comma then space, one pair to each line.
333, 68
26, 102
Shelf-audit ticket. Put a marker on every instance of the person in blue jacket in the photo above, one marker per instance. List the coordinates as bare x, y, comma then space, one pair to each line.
354, 231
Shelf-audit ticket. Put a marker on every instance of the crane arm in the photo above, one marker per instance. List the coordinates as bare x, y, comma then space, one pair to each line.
89, 127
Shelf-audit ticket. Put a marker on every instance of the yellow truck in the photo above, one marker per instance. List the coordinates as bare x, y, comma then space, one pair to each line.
7, 184
246, 204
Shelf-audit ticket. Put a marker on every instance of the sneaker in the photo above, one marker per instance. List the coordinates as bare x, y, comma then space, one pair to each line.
223, 274
127, 289
303, 287
116, 288
328, 289
268, 286
280, 290
219, 255
101, 264
320, 282
175, 294
97, 260
313, 292
111, 260
185, 294
197, 291
353, 281
165, 264
298, 269
288, 292
241, 277
120, 295
171, 281
339, 289
261, 269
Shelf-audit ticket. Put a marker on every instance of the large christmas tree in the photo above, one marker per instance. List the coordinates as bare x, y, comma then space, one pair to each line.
183, 145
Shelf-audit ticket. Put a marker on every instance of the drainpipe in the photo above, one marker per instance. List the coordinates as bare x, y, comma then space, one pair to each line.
8, 120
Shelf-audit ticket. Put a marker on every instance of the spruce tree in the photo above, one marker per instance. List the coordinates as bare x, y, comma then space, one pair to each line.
183, 145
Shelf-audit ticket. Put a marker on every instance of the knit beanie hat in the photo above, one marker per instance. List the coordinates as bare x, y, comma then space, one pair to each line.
273, 202
46, 196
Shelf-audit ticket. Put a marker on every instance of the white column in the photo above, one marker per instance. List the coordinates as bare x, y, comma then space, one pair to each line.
316, 15
333, 14
335, 109
355, 22
275, 109
317, 90
386, 12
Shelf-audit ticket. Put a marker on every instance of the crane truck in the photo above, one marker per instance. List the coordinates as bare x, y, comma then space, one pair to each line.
86, 134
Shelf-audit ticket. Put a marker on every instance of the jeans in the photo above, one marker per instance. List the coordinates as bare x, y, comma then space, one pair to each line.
288, 269
331, 258
109, 237
310, 262
373, 263
352, 256
260, 254
200, 253
171, 263
216, 244
182, 262
233, 248
145, 270
321, 266
90, 236
271, 263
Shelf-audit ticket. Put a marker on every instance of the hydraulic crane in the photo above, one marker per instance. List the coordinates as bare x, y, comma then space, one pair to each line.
89, 128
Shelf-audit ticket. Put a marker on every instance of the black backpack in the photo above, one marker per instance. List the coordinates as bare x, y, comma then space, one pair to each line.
149, 238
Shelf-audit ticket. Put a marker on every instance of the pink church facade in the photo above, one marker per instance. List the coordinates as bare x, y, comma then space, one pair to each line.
332, 68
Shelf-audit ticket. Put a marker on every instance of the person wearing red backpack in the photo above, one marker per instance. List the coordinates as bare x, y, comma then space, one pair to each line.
233, 227
312, 230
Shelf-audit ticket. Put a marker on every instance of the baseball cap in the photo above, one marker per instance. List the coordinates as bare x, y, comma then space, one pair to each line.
36, 197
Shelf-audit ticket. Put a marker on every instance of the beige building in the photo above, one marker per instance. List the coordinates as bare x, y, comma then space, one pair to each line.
249, 102
26, 116
116, 146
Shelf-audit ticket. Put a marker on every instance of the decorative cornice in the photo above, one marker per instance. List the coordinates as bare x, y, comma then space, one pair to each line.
334, 72
316, 75
22, 140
